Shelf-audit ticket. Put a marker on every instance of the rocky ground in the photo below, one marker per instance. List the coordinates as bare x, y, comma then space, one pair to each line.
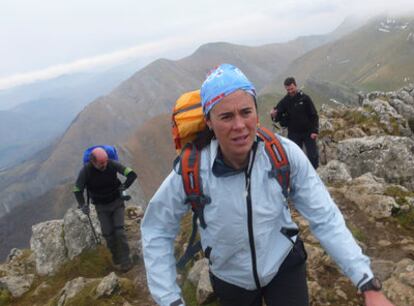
367, 163
82, 274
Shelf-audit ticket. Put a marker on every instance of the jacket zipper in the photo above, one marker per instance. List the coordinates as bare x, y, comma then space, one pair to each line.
248, 173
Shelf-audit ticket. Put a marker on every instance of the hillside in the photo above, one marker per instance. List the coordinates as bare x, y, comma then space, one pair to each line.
153, 153
380, 54
148, 93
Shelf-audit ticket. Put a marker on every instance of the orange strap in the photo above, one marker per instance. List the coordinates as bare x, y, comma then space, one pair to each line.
278, 157
190, 168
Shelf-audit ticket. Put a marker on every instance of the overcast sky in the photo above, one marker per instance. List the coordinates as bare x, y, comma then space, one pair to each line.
45, 38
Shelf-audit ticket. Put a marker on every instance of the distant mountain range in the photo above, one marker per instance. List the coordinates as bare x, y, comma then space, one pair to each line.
148, 93
129, 116
32, 116
379, 55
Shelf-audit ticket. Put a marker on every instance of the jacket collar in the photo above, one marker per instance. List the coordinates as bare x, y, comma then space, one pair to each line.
217, 164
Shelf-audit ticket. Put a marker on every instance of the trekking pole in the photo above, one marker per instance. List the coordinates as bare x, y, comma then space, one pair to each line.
97, 240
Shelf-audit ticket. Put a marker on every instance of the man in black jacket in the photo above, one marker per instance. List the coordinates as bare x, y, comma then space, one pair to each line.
104, 188
297, 112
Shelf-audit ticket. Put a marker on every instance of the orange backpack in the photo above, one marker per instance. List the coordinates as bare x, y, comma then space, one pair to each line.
187, 119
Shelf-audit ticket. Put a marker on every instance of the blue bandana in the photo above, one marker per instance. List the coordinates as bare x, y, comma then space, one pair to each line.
221, 82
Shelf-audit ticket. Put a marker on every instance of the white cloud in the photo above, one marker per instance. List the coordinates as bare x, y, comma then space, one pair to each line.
47, 38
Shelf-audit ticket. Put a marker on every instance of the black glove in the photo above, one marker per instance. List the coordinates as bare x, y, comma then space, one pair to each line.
85, 209
178, 302
124, 196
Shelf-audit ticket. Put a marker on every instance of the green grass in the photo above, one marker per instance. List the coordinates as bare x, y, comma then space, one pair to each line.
411, 124
406, 219
86, 297
94, 263
5, 297
398, 194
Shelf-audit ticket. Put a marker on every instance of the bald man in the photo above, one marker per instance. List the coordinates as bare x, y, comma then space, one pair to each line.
100, 178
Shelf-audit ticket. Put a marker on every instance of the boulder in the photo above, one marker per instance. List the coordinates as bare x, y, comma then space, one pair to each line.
108, 285
14, 253
376, 206
335, 172
78, 232
195, 271
399, 293
389, 157
405, 96
17, 285
393, 122
382, 268
406, 110
71, 289
48, 245
204, 293
404, 271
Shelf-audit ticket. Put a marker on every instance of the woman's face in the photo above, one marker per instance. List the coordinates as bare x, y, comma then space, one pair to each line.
234, 120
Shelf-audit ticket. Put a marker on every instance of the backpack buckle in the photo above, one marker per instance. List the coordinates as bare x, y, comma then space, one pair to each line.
197, 205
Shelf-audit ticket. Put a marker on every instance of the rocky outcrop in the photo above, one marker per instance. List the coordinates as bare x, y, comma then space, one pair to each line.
389, 157
388, 117
376, 137
369, 194
48, 245
71, 289
17, 285
18, 273
335, 172
400, 287
77, 230
21, 282
107, 285
200, 278
54, 242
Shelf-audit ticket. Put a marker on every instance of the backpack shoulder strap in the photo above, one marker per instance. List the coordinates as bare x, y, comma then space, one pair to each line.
280, 163
190, 173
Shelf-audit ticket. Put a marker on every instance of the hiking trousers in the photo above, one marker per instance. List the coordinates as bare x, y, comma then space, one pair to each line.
111, 218
287, 288
303, 139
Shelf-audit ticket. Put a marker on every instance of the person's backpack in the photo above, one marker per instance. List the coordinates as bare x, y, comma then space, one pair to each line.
110, 150
190, 158
187, 119
113, 155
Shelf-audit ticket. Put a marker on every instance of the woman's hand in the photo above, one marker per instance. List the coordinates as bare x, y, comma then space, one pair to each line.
376, 298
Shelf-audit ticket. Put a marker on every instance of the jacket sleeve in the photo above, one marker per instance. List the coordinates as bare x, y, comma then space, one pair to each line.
125, 171
159, 228
281, 109
326, 222
313, 115
80, 186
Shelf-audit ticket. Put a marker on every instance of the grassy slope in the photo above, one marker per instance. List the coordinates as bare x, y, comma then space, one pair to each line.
367, 59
